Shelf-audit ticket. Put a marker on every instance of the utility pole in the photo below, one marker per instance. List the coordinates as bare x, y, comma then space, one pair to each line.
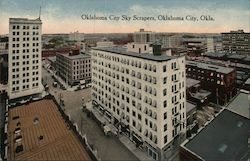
217, 95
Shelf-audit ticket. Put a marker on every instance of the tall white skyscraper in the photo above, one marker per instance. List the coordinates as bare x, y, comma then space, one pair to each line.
145, 93
24, 57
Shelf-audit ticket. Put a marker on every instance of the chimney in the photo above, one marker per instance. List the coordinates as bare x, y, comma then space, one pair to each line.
74, 52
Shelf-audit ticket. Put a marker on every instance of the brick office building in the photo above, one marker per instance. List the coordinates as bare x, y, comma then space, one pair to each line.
220, 81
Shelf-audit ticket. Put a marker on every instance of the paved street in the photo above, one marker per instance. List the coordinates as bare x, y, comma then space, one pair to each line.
109, 148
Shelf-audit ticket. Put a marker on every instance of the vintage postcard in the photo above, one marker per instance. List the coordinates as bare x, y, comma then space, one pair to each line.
131, 80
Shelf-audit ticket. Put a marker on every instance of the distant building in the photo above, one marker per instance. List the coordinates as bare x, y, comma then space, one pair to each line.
195, 46
4, 61
104, 43
40, 131
224, 138
144, 36
76, 36
143, 93
210, 45
220, 81
218, 46
236, 42
74, 67
169, 41
54, 52
82, 46
25, 58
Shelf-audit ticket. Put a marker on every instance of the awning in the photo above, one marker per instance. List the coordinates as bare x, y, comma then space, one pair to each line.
95, 103
101, 108
137, 139
108, 113
99, 117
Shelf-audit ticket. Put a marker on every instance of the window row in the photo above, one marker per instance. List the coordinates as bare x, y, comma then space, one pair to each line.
24, 27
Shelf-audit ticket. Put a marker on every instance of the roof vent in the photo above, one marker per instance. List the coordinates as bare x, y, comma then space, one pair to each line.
222, 148
239, 124
18, 123
18, 138
15, 117
19, 148
40, 137
17, 130
36, 120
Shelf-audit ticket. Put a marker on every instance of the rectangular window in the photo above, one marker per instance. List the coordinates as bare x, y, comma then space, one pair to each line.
164, 80
165, 103
165, 116
164, 92
165, 127
165, 139
164, 68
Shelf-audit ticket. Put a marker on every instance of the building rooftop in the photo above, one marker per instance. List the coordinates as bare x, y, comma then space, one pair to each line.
37, 131
216, 55
240, 105
25, 20
52, 58
147, 56
247, 81
189, 107
236, 56
225, 138
78, 56
219, 69
201, 94
191, 82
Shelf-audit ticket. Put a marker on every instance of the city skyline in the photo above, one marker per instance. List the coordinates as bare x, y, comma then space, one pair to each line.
60, 16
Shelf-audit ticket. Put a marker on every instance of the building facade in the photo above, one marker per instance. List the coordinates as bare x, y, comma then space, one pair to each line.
24, 57
169, 41
139, 48
219, 80
236, 42
210, 45
143, 94
74, 67
144, 36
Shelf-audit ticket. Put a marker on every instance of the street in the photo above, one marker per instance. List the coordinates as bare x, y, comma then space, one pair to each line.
108, 148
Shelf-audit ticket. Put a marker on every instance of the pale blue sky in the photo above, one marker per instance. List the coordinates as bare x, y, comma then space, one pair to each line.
65, 15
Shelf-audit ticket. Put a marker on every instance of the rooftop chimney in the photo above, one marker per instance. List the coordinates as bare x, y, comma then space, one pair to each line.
74, 52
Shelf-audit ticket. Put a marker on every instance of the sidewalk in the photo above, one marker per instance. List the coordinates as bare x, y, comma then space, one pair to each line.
123, 139
136, 151
68, 88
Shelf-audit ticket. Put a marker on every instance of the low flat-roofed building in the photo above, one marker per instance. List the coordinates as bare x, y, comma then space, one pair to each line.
190, 112
225, 138
219, 80
241, 104
37, 131
195, 94
192, 82
246, 85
